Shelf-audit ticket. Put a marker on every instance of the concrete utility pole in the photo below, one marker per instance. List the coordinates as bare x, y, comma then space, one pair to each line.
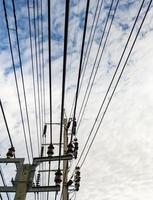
22, 184
65, 163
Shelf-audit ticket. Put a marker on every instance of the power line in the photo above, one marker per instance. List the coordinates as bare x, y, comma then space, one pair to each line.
50, 82
81, 58
6, 124
123, 68
16, 82
50, 73
67, 3
85, 54
40, 64
89, 47
85, 100
37, 73
43, 64
33, 73
108, 89
22, 77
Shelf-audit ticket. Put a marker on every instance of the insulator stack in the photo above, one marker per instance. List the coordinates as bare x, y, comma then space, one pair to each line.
58, 177
70, 148
11, 152
38, 180
76, 147
69, 183
77, 178
50, 151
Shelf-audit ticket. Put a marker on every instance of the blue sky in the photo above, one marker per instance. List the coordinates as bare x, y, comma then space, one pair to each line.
119, 166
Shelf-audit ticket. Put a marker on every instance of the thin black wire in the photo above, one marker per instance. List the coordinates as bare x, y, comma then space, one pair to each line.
1, 197
89, 47
67, 3
22, 77
16, 82
85, 54
33, 73
43, 81
4, 182
110, 84
81, 57
6, 124
50, 72
40, 64
85, 100
37, 73
40, 74
50, 82
56, 194
43, 63
119, 75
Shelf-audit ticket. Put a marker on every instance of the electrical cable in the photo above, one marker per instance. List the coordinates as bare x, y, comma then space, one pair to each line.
84, 64
40, 64
36, 62
123, 68
112, 82
43, 64
81, 57
50, 73
16, 82
50, 82
22, 77
33, 73
67, 3
85, 100
6, 124
89, 47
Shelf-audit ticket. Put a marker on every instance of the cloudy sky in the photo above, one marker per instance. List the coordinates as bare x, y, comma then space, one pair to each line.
119, 165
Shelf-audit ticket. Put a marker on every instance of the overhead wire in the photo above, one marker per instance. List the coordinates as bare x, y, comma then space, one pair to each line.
16, 81
33, 73
123, 68
89, 45
43, 78
39, 41
50, 71
91, 81
22, 77
37, 72
43, 62
67, 4
6, 124
81, 58
40, 63
50, 83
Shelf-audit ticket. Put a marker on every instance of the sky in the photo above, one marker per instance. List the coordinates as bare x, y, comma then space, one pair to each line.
119, 164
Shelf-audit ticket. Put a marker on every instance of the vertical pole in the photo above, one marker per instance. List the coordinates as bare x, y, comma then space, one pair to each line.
65, 163
22, 182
